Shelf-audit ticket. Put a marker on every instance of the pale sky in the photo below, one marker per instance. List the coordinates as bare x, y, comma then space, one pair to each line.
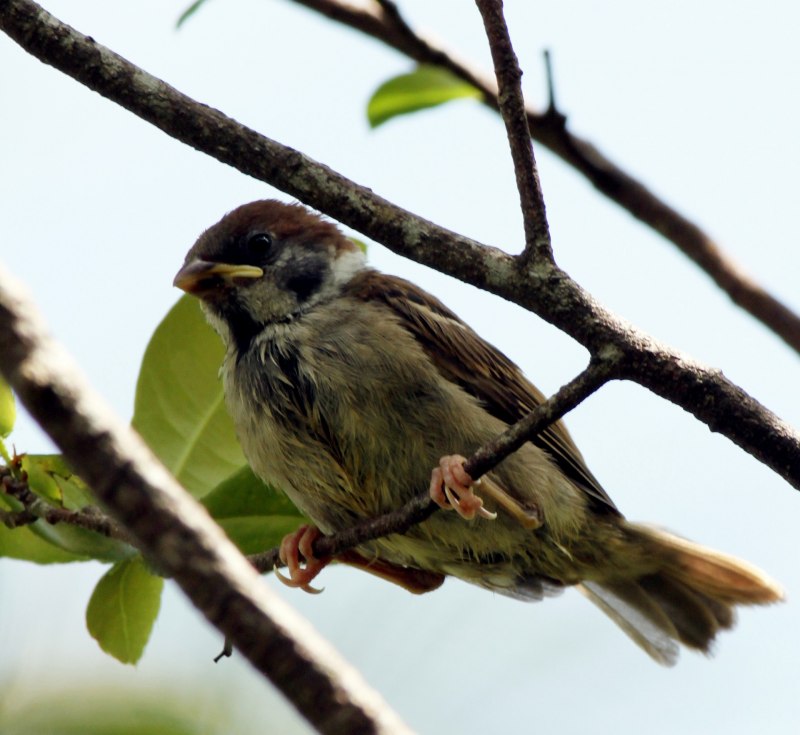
700, 100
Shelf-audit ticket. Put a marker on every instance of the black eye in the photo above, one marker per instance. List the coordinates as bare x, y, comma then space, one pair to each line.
259, 243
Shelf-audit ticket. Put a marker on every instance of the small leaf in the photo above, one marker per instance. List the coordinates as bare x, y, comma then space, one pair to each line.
362, 246
179, 408
123, 608
51, 477
254, 515
426, 86
8, 409
189, 12
40, 480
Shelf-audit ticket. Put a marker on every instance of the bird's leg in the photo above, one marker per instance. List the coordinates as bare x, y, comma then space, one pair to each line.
451, 489
294, 545
414, 580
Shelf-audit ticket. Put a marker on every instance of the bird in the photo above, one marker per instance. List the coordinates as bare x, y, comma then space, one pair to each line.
353, 391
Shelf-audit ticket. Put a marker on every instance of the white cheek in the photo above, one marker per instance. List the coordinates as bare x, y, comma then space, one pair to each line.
347, 265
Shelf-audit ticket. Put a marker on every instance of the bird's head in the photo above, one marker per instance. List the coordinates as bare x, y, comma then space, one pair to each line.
264, 263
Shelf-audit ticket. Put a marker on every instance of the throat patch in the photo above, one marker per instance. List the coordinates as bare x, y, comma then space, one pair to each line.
244, 328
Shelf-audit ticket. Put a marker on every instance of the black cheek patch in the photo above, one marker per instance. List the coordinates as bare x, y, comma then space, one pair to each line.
243, 327
308, 277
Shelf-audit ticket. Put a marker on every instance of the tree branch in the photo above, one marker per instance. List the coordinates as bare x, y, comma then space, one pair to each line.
542, 287
173, 529
549, 128
512, 110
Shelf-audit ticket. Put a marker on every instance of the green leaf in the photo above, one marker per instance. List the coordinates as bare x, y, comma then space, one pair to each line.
8, 409
254, 515
362, 246
189, 12
242, 493
426, 86
257, 534
22, 543
81, 542
179, 409
50, 477
123, 608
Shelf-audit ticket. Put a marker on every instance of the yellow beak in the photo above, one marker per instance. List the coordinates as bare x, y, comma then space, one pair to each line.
199, 276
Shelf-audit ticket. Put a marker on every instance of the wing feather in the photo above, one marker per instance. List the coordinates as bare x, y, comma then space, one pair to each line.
479, 368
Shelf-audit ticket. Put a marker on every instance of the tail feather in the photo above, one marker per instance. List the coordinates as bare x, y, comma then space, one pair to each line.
638, 616
689, 598
694, 619
720, 576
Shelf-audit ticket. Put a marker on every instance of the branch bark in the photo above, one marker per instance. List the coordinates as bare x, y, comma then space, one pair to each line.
539, 286
512, 110
385, 24
172, 528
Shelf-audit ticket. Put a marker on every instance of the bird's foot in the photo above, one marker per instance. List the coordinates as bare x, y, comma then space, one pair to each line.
451, 489
292, 547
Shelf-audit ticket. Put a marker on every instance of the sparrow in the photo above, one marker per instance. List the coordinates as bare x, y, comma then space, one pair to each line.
353, 391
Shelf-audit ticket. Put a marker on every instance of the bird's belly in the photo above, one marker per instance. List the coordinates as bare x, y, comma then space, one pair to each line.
352, 450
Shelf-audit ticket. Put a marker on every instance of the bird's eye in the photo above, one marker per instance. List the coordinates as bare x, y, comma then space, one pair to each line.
259, 243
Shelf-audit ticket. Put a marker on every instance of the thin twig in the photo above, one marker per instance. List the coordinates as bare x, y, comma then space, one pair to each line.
552, 107
16, 519
611, 180
171, 528
512, 110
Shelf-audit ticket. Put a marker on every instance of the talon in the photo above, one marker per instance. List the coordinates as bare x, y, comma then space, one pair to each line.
292, 546
451, 489
451, 498
294, 584
487, 514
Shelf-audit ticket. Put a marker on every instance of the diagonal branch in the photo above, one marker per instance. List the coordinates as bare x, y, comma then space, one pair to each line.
173, 529
549, 128
512, 110
546, 290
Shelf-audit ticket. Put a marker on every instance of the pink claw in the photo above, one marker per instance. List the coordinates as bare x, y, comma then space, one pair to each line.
294, 545
451, 489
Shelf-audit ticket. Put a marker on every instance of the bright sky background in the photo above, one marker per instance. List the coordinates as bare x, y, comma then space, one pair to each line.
97, 210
